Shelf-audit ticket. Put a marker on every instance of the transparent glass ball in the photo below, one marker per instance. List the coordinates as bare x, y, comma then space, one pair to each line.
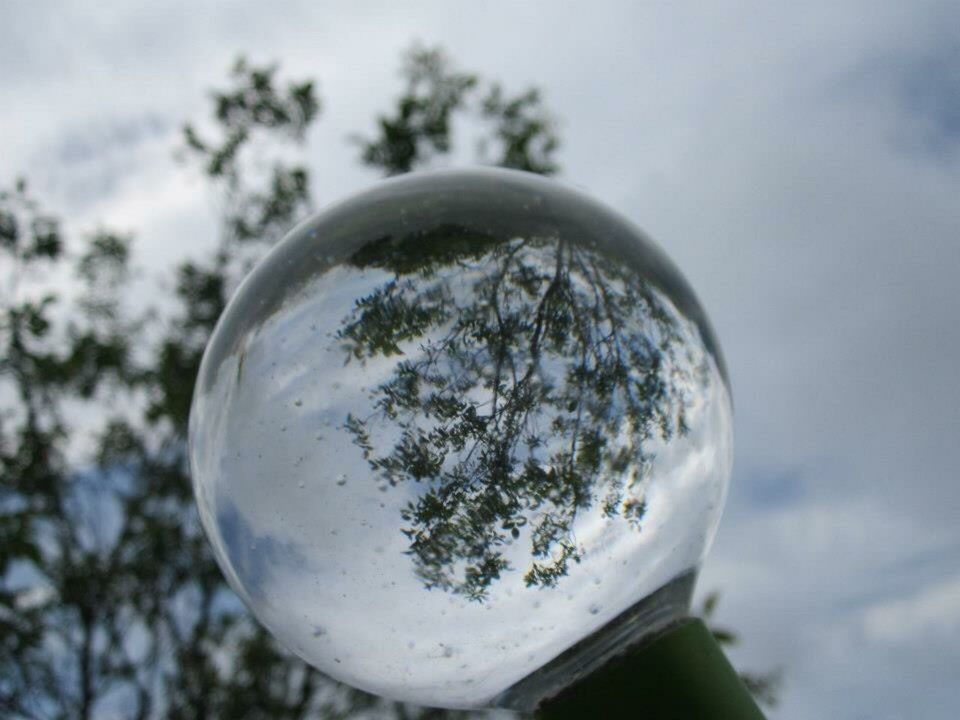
461, 437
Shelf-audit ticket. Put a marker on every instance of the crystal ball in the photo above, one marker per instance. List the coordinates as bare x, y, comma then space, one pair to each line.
460, 436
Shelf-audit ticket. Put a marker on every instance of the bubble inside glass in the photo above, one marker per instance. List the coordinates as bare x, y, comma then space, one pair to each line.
459, 437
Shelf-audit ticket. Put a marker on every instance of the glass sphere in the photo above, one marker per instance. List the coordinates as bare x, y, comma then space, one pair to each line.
460, 437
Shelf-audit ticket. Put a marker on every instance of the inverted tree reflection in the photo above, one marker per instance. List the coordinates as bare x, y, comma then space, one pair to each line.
533, 377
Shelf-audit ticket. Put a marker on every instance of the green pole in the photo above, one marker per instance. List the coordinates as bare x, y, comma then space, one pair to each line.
681, 674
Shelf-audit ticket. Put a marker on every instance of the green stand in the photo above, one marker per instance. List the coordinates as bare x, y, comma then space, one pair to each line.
681, 674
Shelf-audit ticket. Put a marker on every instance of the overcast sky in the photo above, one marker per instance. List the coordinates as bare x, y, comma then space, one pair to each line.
799, 161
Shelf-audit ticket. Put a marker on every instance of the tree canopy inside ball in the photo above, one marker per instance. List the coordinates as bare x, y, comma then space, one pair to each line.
454, 425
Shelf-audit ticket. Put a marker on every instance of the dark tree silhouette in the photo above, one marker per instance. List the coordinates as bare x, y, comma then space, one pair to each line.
543, 368
517, 131
110, 602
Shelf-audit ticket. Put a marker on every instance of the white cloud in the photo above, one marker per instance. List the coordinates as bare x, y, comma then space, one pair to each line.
932, 611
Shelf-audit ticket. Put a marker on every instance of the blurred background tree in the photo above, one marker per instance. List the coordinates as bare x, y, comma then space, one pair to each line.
111, 604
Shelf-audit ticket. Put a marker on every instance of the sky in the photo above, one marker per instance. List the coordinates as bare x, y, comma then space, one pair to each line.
800, 162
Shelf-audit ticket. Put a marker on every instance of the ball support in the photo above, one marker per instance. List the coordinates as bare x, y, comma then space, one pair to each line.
679, 674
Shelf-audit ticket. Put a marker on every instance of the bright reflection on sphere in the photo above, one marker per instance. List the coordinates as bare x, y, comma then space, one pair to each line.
453, 426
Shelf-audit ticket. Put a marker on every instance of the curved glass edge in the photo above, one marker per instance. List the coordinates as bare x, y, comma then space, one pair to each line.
646, 618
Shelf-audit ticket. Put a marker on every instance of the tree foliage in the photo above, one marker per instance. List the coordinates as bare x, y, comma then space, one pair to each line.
110, 602
544, 370
516, 132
